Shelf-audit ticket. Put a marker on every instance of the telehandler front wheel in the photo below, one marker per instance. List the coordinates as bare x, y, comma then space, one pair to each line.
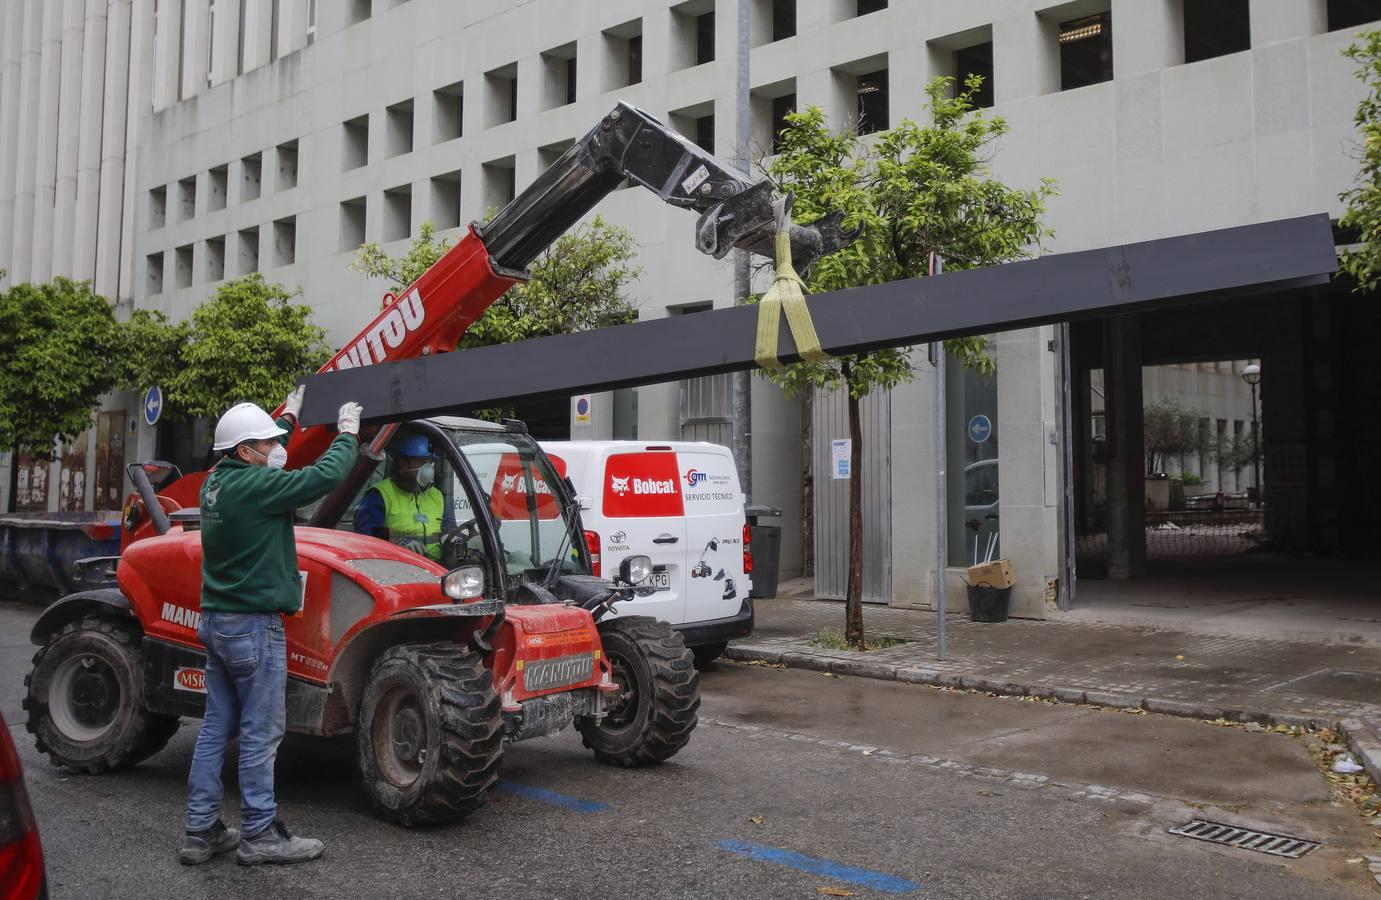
659, 692
430, 733
85, 698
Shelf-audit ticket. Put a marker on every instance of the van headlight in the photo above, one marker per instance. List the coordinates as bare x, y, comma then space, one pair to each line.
465, 583
635, 570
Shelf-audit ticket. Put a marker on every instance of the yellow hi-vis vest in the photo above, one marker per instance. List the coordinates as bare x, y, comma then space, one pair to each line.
416, 516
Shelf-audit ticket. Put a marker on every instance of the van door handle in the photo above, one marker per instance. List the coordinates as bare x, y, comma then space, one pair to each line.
665, 539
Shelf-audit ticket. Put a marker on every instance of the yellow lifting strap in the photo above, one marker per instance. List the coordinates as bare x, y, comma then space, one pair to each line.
786, 293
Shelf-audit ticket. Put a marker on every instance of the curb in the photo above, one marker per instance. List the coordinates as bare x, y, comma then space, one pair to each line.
1363, 739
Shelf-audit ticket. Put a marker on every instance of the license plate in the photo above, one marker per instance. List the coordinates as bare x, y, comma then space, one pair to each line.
661, 581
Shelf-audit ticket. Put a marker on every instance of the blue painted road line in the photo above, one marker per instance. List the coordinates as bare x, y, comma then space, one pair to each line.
880, 881
551, 798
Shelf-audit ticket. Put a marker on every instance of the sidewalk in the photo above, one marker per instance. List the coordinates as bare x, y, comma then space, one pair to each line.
1170, 672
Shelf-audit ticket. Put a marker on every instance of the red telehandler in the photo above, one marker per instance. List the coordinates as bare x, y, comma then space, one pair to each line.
434, 667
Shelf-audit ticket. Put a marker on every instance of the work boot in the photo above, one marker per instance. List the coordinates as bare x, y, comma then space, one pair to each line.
199, 846
275, 844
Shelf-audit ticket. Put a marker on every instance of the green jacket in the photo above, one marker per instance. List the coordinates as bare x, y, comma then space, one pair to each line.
248, 554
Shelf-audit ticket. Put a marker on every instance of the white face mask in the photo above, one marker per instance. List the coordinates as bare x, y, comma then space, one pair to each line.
277, 457
426, 475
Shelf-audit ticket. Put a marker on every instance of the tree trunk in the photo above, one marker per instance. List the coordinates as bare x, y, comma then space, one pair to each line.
14, 480
807, 483
853, 592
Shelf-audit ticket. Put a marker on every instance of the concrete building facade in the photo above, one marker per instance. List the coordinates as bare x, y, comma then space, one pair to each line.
160, 147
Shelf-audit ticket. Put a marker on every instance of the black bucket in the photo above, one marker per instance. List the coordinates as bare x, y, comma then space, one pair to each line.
987, 603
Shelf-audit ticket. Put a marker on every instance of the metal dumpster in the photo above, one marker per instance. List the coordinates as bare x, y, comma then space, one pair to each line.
40, 550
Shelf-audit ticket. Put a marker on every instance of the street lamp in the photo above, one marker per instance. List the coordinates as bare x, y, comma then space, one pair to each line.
1252, 376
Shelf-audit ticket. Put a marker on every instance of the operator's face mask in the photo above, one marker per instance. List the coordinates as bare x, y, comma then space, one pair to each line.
276, 458
426, 475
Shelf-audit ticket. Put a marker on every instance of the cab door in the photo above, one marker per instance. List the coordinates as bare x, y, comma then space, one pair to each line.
641, 510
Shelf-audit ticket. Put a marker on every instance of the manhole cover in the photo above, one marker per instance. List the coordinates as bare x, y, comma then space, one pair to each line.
1245, 838
1355, 685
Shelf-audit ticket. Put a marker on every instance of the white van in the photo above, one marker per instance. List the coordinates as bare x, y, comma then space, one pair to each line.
680, 504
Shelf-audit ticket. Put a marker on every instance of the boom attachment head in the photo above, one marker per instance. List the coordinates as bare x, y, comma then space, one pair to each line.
735, 213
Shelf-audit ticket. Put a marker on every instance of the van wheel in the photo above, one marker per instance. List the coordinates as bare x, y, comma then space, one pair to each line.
430, 733
653, 715
708, 653
85, 699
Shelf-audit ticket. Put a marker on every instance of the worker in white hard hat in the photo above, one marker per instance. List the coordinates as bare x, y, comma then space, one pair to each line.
249, 582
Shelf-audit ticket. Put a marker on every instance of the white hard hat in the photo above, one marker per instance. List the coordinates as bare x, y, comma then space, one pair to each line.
244, 422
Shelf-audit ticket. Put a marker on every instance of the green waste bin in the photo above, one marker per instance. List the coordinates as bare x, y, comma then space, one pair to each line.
766, 546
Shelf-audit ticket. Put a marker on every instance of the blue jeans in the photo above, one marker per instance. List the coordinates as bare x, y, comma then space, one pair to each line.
246, 681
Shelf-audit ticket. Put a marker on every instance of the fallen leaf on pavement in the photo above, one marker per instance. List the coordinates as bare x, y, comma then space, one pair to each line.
989, 794
756, 820
831, 675
1134, 711
835, 892
1180, 656
1357, 859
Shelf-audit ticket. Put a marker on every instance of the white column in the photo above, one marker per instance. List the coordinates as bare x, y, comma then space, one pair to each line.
137, 91
193, 48
11, 50
23, 219
166, 54
89, 142
117, 60
46, 163
227, 41
69, 129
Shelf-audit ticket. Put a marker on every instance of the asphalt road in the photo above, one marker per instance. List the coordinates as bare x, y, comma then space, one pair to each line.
793, 782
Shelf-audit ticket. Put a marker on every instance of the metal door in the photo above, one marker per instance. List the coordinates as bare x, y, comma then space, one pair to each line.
830, 421
110, 459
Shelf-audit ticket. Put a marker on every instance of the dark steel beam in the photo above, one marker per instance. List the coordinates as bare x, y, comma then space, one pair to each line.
1195, 268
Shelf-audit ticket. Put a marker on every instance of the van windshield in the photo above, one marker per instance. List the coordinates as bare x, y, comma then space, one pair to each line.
523, 489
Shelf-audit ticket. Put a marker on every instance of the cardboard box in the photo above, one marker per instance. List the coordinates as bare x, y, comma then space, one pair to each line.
997, 573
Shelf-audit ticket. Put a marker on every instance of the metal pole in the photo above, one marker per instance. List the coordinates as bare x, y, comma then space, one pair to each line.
742, 387
1256, 451
1064, 598
937, 359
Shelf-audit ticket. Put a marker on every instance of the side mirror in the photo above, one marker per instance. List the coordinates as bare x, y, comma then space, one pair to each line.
465, 583
634, 570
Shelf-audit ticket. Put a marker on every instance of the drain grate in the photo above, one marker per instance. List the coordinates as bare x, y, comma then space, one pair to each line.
1245, 838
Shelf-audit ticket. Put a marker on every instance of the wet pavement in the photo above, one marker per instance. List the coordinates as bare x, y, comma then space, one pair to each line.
794, 781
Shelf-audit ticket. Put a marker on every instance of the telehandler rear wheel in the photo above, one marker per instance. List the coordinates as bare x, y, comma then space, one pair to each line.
654, 714
85, 698
430, 733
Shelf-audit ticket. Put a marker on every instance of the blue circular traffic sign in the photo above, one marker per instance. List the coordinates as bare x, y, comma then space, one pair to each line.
980, 429
153, 405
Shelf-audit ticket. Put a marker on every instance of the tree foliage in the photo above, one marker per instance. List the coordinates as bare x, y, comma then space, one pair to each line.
917, 190
1170, 431
248, 342
57, 341
577, 284
1363, 199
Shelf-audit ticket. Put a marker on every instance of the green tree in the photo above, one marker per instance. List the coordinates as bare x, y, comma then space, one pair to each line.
57, 341
1170, 431
577, 284
1363, 199
248, 342
918, 190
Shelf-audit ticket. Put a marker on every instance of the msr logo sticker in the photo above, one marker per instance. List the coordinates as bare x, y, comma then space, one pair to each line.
193, 680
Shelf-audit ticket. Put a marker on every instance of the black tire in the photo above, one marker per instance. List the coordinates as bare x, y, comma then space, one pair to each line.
708, 653
655, 715
430, 734
85, 698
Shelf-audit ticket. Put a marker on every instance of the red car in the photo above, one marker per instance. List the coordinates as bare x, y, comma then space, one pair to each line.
21, 856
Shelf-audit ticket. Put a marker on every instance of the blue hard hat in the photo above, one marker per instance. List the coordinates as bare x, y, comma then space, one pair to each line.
415, 445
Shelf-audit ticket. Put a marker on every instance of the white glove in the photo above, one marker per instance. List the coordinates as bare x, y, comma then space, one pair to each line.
293, 405
349, 421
